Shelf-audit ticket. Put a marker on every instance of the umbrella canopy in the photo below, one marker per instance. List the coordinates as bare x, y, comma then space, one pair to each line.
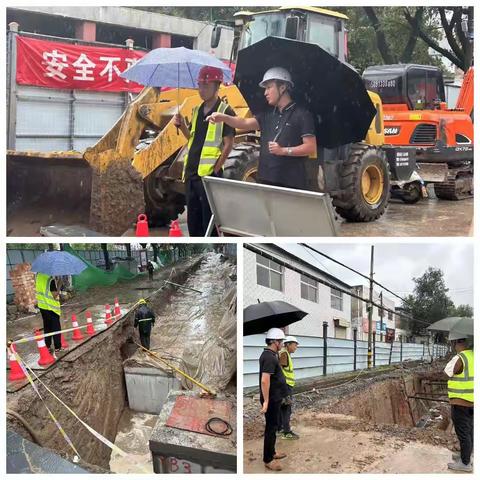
173, 67
333, 91
58, 263
259, 317
462, 325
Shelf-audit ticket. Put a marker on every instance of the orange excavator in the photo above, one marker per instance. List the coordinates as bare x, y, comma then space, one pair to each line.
416, 115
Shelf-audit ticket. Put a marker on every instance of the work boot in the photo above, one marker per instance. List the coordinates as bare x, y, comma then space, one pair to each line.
290, 436
459, 466
273, 465
279, 456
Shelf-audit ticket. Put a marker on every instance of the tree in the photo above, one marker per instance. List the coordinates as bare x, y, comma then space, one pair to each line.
456, 23
461, 311
429, 301
381, 35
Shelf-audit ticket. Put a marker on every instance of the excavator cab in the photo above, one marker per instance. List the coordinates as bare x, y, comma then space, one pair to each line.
407, 87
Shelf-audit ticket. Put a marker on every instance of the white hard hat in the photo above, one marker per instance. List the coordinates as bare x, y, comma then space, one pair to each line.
276, 73
290, 339
456, 336
275, 334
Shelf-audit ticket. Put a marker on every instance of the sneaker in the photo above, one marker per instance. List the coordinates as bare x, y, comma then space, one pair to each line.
290, 436
279, 456
459, 466
273, 465
456, 457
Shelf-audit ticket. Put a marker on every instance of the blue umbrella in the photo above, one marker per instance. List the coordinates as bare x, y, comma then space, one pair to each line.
58, 263
173, 67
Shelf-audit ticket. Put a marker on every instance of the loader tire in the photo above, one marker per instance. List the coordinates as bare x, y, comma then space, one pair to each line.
364, 185
242, 163
162, 204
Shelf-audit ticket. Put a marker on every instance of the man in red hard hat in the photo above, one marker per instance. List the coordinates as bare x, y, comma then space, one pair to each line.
208, 147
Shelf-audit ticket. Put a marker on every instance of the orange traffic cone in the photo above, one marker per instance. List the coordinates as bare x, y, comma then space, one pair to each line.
16, 372
142, 226
64, 342
77, 334
46, 357
108, 315
116, 309
175, 230
90, 328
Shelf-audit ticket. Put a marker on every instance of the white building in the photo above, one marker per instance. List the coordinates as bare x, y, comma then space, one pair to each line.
381, 320
274, 272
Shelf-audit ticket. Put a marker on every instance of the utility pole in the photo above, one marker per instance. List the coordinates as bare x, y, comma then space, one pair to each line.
381, 315
370, 313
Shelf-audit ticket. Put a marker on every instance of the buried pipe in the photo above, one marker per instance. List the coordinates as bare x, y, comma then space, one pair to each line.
419, 397
27, 426
183, 286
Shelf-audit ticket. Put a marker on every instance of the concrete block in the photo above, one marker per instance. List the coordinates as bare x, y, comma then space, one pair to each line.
176, 451
148, 388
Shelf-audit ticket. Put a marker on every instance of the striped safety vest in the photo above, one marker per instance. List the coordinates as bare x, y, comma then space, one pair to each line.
45, 298
288, 370
461, 385
211, 149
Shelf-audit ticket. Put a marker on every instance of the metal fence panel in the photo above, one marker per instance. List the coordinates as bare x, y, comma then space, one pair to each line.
308, 359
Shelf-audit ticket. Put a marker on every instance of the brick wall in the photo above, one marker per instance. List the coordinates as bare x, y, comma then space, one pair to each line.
23, 283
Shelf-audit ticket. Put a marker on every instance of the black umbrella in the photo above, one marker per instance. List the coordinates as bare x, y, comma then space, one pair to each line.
333, 91
259, 317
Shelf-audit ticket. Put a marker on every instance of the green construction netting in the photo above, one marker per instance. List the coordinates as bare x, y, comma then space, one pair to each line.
93, 276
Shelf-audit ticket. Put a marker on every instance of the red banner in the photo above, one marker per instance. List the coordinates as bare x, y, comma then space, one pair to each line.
74, 67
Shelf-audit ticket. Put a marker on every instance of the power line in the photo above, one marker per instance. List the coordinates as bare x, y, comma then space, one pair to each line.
355, 271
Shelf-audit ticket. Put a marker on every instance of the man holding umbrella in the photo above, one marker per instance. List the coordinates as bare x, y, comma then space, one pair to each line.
287, 133
273, 389
49, 305
460, 394
208, 147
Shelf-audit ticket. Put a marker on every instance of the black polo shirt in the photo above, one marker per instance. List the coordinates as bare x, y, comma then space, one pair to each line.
199, 139
270, 364
293, 122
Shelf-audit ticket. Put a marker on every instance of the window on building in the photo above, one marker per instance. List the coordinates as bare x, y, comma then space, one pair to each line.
390, 315
336, 299
269, 273
309, 288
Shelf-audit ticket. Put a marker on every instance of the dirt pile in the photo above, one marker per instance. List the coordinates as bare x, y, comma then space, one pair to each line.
23, 282
117, 198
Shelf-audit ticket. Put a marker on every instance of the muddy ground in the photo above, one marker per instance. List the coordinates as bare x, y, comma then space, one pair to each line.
432, 217
369, 419
90, 378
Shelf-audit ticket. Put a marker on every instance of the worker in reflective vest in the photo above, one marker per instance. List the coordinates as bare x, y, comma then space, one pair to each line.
460, 369
208, 147
290, 346
49, 305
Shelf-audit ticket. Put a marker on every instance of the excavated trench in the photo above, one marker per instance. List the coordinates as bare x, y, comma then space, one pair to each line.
91, 379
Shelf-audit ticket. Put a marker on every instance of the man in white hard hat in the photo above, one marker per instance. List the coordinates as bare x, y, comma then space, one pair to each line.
290, 345
272, 389
460, 370
287, 131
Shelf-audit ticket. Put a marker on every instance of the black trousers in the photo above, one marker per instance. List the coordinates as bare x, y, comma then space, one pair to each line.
145, 339
271, 427
462, 418
51, 323
285, 414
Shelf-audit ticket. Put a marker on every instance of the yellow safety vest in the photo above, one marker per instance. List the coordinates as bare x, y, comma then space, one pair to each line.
45, 298
288, 370
211, 149
461, 385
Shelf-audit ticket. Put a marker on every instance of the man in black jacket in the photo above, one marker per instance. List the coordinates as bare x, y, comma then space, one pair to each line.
144, 320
